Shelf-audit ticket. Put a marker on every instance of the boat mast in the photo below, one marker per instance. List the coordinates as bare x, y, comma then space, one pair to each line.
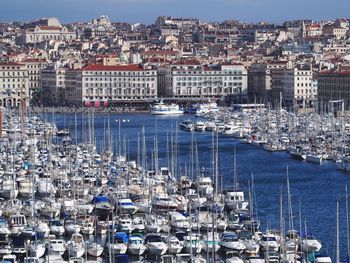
347, 220
290, 209
234, 170
337, 234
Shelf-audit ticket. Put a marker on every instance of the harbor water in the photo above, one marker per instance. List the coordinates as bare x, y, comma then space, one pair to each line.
314, 188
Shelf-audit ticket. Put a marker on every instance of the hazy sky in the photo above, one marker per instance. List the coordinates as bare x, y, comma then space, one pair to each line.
146, 11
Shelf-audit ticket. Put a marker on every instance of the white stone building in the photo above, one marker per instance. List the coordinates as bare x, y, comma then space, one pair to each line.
297, 86
34, 67
46, 33
114, 83
191, 79
13, 84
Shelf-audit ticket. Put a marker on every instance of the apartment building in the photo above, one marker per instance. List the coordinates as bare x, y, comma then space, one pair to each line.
13, 84
34, 67
260, 81
191, 79
116, 83
53, 86
333, 85
297, 90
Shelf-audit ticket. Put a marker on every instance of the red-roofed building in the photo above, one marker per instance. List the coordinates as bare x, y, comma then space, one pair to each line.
111, 83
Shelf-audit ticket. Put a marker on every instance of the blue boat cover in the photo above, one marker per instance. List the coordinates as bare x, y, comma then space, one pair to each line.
100, 199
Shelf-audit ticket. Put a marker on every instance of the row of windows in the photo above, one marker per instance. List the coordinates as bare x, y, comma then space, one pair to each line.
120, 73
120, 79
120, 85
9, 80
302, 84
99, 92
303, 91
13, 73
335, 80
92, 98
190, 91
218, 83
9, 86
208, 72
206, 78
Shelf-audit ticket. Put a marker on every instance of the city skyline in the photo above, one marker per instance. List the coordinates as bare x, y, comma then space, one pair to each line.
146, 11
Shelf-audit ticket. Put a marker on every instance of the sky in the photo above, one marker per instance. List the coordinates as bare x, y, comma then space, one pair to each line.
146, 11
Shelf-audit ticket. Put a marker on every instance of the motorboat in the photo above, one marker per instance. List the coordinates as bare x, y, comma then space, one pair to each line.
155, 245
57, 246
174, 245
126, 206
94, 249
230, 242
165, 109
136, 245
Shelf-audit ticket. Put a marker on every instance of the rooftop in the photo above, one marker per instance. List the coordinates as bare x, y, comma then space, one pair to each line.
101, 67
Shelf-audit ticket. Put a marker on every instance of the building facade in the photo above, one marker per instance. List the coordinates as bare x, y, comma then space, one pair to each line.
13, 84
46, 33
333, 85
34, 67
53, 86
297, 86
117, 83
193, 80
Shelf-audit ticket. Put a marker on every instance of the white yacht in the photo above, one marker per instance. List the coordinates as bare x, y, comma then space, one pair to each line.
234, 200
155, 245
166, 109
230, 242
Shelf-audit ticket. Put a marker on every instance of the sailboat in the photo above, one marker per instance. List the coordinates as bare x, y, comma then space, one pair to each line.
76, 246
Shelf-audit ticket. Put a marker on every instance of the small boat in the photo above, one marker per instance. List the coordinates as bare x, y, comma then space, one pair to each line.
57, 246
71, 226
17, 223
174, 245
94, 249
76, 246
136, 245
164, 203
310, 244
155, 245
268, 241
120, 245
126, 206
199, 126
234, 200
314, 158
230, 242
179, 222
56, 227
185, 123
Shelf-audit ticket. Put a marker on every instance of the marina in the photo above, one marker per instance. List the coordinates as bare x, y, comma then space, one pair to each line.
137, 187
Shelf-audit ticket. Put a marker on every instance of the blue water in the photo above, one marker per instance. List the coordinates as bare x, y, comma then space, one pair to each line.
315, 187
